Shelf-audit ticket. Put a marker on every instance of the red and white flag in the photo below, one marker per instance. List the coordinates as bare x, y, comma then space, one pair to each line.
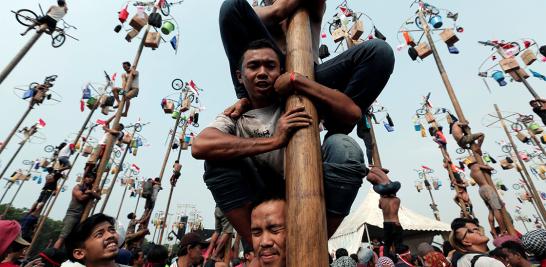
114, 76
425, 168
101, 122
41, 123
193, 87
135, 167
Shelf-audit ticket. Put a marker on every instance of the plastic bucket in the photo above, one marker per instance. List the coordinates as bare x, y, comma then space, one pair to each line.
167, 28
436, 21
176, 114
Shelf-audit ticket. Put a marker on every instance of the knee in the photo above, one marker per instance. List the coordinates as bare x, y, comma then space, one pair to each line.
342, 149
229, 8
381, 52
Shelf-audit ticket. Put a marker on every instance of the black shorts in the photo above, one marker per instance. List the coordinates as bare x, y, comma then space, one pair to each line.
44, 196
49, 21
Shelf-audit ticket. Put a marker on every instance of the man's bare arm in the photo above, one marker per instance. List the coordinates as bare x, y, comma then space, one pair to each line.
282, 9
212, 144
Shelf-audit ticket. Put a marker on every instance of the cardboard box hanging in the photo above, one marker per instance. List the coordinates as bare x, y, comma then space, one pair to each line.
131, 34
357, 29
185, 105
449, 37
139, 21
509, 64
338, 35
528, 57
152, 39
168, 108
423, 50
521, 72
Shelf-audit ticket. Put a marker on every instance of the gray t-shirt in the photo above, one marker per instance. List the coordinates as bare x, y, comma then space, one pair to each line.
256, 123
484, 261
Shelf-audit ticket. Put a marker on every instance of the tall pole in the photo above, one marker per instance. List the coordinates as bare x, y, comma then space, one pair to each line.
306, 214
185, 127
101, 186
46, 214
433, 205
459, 112
115, 124
12, 133
114, 179
11, 65
16, 192
10, 184
375, 151
137, 200
527, 179
14, 155
121, 203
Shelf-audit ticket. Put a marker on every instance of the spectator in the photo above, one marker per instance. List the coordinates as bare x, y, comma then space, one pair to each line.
365, 256
52, 257
515, 254
403, 256
384, 262
343, 259
498, 254
471, 245
268, 228
189, 253
157, 256
94, 242
535, 242
12, 244
430, 256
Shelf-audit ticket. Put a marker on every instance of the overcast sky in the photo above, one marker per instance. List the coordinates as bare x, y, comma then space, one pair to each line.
201, 58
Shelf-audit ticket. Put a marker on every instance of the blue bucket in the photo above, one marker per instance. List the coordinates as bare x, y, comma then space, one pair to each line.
499, 77
436, 21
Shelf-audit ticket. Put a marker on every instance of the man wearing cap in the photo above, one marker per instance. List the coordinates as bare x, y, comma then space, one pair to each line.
189, 252
12, 244
535, 242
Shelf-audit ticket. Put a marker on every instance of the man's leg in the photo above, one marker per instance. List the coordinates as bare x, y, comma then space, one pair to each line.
364, 133
127, 105
361, 72
239, 26
69, 222
232, 191
344, 169
115, 92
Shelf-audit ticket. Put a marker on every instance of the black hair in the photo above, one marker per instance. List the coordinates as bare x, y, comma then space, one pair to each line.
340, 252
157, 179
61, 2
183, 251
82, 231
401, 248
131, 215
259, 44
134, 257
127, 63
447, 247
461, 222
515, 248
272, 195
157, 256
354, 257
121, 126
497, 252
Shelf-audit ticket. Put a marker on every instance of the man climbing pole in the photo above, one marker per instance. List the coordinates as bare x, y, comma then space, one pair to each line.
244, 156
461, 194
133, 237
53, 15
50, 186
488, 194
392, 229
94, 159
133, 89
82, 193
473, 141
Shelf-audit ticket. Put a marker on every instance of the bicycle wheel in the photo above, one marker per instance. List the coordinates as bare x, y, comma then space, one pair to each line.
138, 127
191, 97
57, 39
421, 112
462, 175
177, 84
28, 162
49, 148
26, 17
516, 127
117, 154
460, 150
165, 8
506, 148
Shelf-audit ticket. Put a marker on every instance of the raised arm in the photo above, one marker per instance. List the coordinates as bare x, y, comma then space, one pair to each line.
339, 111
282, 9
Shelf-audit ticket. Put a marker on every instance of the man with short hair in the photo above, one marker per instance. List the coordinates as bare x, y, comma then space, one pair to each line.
470, 245
49, 187
343, 259
94, 242
515, 254
268, 228
132, 90
82, 193
403, 256
189, 252
244, 156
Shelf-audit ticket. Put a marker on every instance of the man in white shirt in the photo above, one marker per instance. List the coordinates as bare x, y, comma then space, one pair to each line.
53, 15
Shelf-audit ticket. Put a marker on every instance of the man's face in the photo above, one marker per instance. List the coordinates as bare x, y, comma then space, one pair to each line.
100, 246
88, 180
126, 67
195, 255
139, 259
260, 70
269, 233
513, 258
471, 235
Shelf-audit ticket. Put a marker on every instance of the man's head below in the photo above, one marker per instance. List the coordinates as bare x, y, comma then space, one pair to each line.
268, 228
88, 179
514, 253
126, 66
61, 2
131, 216
341, 252
466, 235
259, 68
94, 241
157, 256
190, 248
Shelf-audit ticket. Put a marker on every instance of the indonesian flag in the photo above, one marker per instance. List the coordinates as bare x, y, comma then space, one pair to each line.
193, 87
135, 167
41, 123
101, 122
425, 168
114, 76
345, 11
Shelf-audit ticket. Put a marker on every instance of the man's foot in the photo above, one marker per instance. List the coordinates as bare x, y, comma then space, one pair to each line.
387, 189
124, 114
115, 106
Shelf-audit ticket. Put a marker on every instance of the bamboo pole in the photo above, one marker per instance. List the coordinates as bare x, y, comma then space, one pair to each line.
115, 124
46, 214
306, 215
527, 180
433, 205
121, 203
138, 200
16, 192
12, 133
11, 65
10, 184
375, 151
459, 111
21, 145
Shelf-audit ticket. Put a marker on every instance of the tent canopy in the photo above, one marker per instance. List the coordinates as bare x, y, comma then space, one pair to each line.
417, 228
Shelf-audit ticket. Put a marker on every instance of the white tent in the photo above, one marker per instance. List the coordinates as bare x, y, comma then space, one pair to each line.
417, 228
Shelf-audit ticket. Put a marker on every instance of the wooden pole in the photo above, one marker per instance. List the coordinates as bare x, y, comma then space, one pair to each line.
16, 192
46, 214
138, 200
433, 205
459, 111
13, 157
527, 178
166, 213
306, 214
375, 151
11, 65
10, 184
14, 130
121, 203
115, 123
